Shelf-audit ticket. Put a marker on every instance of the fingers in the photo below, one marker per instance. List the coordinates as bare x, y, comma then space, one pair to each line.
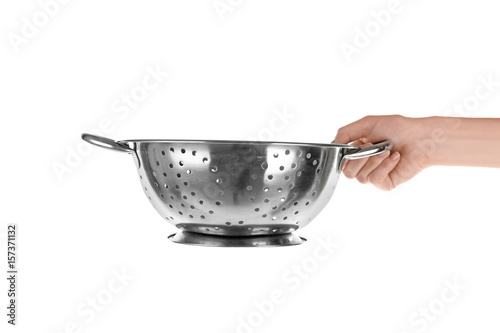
358, 129
374, 170
353, 167
380, 177
363, 175
379, 170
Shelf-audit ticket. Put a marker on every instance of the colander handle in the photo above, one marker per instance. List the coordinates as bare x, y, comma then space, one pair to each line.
106, 143
375, 149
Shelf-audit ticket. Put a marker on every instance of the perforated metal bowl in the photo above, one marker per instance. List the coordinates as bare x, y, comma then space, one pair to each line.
238, 193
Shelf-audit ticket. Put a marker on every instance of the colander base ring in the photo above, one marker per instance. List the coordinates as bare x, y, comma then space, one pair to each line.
193, 238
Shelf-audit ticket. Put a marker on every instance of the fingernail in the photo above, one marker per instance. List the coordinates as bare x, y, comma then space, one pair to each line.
395, 156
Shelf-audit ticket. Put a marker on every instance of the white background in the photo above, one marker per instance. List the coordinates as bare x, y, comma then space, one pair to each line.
225, 79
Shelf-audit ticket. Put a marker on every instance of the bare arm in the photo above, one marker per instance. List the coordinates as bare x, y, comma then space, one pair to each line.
468, 142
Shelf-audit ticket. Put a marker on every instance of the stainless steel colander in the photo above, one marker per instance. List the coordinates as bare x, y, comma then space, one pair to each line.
237, 193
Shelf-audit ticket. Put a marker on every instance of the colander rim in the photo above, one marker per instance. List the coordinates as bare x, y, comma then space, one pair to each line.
281, 143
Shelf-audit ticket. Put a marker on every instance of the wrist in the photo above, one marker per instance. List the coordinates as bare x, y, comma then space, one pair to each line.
429, 134
439, 133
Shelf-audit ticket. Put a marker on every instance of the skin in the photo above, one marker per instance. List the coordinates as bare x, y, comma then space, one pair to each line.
418, 144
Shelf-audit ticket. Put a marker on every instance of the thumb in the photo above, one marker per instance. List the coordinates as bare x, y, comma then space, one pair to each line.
356, 130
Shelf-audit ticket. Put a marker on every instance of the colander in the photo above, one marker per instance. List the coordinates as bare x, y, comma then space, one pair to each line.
237, 193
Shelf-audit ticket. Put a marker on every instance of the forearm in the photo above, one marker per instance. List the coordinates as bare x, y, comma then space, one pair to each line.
466, 142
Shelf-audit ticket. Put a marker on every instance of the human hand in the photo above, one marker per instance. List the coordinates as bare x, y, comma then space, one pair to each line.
389, 169
418, 144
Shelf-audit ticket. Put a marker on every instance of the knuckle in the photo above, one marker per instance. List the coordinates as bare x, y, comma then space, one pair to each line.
387, 185
371, 119
362, 179
376, 179
349, 174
